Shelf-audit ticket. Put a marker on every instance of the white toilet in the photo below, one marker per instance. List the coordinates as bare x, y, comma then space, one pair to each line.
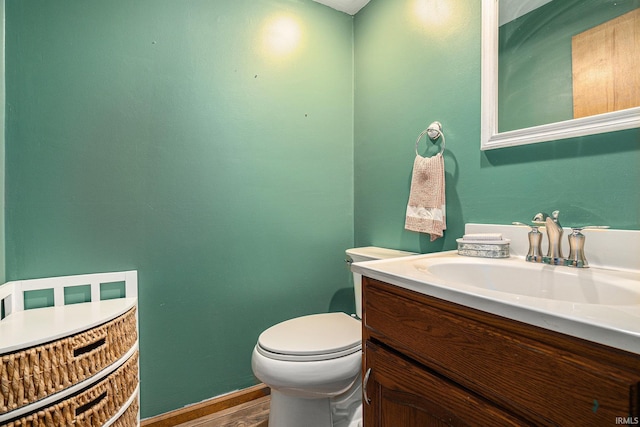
312, 363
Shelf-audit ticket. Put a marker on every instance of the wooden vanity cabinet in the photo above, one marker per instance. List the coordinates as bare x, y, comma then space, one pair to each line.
429, 362
403, 393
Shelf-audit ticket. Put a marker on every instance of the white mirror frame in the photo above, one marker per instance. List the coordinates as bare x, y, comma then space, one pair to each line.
491, 138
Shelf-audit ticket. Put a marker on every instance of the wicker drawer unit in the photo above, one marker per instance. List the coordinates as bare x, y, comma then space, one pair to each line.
35, 373
91, 407
69, 364
130, 416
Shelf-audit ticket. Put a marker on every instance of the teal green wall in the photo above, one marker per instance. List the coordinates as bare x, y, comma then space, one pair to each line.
163, 136
155, 135
409, 73
535, 60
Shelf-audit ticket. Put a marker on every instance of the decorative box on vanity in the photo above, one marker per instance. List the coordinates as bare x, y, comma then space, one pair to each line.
69, 351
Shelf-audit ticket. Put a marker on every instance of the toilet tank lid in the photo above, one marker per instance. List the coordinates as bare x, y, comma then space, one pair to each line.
373, 252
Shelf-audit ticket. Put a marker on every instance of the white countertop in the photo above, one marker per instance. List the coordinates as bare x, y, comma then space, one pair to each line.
617, 326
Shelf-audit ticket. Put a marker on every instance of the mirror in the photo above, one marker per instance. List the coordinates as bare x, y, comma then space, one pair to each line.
551, 78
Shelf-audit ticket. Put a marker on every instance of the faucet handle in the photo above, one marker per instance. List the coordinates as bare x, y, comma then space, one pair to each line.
588, 227
540, 218
533, 227
576, 256
535, 238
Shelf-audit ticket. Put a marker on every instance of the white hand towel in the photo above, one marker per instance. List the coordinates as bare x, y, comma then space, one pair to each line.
426, 211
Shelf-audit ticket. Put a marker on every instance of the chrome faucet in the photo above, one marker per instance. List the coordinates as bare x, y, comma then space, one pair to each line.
554, 237
554, 229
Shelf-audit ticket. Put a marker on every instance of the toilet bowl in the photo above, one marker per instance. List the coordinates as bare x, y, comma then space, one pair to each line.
307, 361
312, 363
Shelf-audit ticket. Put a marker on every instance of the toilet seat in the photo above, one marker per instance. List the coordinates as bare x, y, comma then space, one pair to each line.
312, 338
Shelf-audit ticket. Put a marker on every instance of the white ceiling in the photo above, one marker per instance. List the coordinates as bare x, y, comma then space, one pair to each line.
347, 6
509, 9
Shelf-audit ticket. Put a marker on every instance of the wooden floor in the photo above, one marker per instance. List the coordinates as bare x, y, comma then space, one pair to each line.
251, 414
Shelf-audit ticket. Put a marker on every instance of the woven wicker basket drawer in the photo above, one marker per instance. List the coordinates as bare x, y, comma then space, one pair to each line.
93, 406
129, 417
32, 374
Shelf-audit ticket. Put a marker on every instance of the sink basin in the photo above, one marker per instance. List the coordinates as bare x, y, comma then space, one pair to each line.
596, 304
585, 286
599, 304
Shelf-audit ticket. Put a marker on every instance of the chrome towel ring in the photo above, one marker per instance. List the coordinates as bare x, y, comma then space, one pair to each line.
434, 131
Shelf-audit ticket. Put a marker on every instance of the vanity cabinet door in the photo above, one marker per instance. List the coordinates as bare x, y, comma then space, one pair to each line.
402, 393
542, 376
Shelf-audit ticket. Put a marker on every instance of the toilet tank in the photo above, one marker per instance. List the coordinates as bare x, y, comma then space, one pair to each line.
369, 253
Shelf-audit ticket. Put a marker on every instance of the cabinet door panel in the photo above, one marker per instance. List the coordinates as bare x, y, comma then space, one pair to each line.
535, 380
404, 394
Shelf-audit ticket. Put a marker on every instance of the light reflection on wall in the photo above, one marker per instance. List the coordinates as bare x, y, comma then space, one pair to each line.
439, 19
281, 36
432, 12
